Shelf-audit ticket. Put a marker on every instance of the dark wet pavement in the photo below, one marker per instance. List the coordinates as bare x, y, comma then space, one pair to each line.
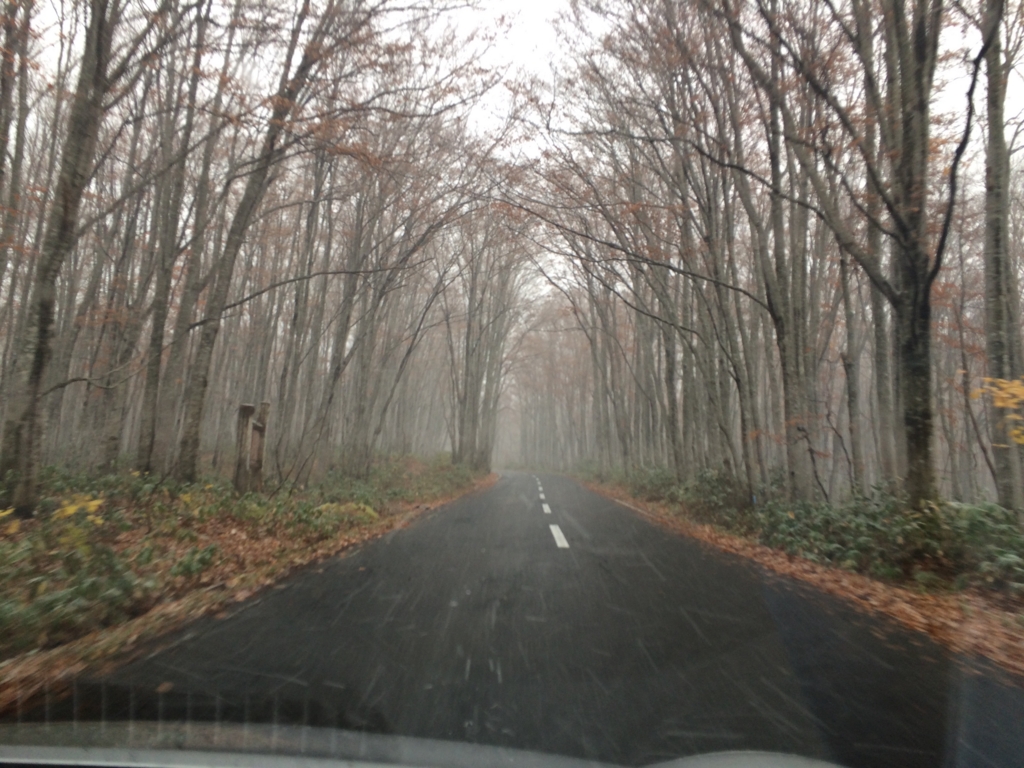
629, 645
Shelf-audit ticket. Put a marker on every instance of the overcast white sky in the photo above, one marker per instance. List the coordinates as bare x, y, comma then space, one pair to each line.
526, 47
530, 42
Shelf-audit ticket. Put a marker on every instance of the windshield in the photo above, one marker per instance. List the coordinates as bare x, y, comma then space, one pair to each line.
586, 381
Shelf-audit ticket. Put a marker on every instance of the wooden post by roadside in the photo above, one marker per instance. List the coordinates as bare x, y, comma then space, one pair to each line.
259, 440
245, 412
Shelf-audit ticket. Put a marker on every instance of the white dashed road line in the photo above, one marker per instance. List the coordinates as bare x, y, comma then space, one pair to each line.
559, 537
547, 511
542, 498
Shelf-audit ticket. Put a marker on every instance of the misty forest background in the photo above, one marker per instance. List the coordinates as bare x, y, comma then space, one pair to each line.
776, 241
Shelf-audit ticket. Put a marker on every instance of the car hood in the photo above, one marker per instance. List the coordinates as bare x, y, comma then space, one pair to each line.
229, 745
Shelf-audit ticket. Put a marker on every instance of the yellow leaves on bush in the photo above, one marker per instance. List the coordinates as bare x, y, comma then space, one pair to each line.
79, 503
12, 527
190, 503
1007, 395
75, 539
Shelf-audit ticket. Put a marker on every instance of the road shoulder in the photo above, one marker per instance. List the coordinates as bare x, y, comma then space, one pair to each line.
26, 677
964, 622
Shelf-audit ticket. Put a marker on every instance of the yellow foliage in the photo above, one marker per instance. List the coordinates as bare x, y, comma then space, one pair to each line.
5, 512
78, 503
13, 527
1007, 395
75, 538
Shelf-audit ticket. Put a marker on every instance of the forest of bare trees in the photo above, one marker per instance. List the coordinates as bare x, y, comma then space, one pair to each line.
776, 240
789, 244
208, 204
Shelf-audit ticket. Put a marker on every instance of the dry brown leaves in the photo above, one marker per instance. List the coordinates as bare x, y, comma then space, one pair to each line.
966, 623
249, 560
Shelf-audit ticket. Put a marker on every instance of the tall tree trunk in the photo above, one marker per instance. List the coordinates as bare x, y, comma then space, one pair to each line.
913, 263
851, 365
21, 440
15, 39
168, 250
255, 187
1002, 310
177, 355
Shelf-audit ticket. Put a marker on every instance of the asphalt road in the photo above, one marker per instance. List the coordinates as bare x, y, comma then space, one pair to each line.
541, 616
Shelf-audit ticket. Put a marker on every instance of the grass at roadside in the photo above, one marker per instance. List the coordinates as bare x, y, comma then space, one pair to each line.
103, 551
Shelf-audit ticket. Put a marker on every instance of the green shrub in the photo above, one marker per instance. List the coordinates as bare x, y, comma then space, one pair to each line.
590, 470
959, 543
91, 588
326, 520
651, 483
989, 542
192, 564
857, 535
717, 498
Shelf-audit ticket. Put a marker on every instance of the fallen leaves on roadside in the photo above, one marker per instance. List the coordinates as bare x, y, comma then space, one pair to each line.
967, 622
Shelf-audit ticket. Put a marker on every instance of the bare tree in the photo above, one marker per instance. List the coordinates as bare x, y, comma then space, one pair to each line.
98, 75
